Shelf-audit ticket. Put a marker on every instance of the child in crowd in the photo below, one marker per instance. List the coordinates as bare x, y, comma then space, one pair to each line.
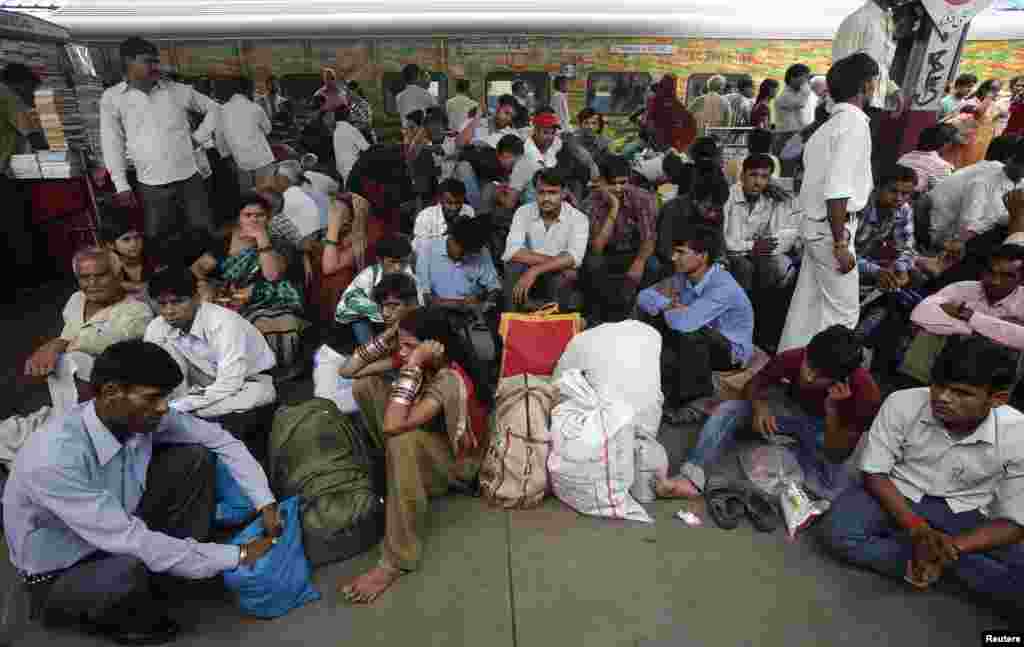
356, 309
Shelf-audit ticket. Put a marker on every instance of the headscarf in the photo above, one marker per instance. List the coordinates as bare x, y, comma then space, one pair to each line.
671, 122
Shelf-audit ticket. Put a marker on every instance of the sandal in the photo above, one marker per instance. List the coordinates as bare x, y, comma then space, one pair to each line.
684, 416
761, 512
726, 507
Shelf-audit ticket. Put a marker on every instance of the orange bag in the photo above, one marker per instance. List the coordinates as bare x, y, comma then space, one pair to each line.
533, 343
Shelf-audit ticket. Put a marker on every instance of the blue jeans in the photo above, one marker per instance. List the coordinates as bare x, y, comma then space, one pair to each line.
362, 330
718, 436
859, 531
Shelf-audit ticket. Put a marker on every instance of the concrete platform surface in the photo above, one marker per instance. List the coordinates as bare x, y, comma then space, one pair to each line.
549, 576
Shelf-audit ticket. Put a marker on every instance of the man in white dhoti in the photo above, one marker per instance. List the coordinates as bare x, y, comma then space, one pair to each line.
223, 357
837, 185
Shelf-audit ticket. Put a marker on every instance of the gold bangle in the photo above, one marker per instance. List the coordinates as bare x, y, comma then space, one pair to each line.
243, 554
407, 386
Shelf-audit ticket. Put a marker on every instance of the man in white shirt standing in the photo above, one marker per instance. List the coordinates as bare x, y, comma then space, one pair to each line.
837, 186
146, 118
870, 30
560, 100
245, 127
223, 358
794, 107
459, 106
545, 248
414, 97
942, 471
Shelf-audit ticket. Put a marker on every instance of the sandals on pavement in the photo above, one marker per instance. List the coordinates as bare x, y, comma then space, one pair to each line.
761, 512
726, 507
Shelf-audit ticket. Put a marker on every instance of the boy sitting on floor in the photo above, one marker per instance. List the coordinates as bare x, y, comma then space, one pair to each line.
829, 401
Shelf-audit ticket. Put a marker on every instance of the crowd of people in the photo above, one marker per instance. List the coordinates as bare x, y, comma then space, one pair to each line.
871, 278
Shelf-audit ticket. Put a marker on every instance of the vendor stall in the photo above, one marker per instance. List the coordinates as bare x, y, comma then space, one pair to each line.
62, 128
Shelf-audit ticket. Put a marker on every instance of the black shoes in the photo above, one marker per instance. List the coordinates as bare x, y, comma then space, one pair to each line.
726, 506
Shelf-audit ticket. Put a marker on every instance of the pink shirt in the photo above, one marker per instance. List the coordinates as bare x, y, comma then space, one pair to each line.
930, 167
989, 319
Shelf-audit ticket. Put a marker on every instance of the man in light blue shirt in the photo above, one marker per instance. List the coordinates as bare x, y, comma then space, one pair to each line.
705, 318
456, 269
120, 488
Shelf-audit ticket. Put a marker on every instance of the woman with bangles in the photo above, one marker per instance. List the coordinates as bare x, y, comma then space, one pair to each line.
429, 420
248, 271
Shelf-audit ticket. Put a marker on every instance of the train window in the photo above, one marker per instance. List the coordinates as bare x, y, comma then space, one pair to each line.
393, 84
696, 83
617, 93
537, 86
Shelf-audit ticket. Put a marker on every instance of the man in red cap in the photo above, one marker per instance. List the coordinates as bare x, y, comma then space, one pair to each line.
541, 151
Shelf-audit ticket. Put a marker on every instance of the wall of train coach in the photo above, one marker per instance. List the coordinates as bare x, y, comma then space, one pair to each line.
607, 71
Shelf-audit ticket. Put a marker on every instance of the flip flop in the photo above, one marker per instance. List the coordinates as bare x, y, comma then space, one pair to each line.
761, 512
726, 507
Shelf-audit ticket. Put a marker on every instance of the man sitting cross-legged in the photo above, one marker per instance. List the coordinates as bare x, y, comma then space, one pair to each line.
121, 488
433, 429
546, 245
705, 318
942, 471
828, 400
223, 357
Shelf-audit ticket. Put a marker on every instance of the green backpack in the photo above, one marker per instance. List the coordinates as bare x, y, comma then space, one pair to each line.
317, 452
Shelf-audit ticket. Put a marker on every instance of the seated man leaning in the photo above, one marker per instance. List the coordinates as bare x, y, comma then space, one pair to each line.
623, 232
942, 468
761, 226
992, 307
224, 359
705, 318
819, 395
545, 247
433, 428
457, 272
99, 314
119, 489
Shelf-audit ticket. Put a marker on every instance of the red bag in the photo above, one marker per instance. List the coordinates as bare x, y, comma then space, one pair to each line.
533, 343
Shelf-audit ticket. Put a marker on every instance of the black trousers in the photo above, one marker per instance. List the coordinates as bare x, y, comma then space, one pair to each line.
107, 591
688, 360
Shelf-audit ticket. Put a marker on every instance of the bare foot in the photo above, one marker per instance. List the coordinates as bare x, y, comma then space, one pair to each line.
681, 488
368, 586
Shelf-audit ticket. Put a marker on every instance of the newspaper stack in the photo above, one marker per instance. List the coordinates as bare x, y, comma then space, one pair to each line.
58, 115
25, 167
57, 165
90, 91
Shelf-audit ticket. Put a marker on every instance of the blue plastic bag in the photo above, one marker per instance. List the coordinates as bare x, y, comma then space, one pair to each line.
280, 580
233, 506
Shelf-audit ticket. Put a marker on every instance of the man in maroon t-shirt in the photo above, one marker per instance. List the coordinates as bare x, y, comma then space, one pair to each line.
827, 401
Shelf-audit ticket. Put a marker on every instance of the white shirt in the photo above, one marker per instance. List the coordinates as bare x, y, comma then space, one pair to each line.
232, 350
869, 30
430, 223
984, 471
780, 219
348, 143
411, 99
491, 137
458, 108
245, 128
569, 233
837, 164
321, 183
153, 129
794, 110
560, 102
532, 161
972, 199
301, 210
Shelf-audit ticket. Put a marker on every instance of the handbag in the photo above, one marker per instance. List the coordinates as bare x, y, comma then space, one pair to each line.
534, 342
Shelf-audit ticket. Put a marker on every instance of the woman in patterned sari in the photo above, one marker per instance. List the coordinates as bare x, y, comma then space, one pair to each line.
248, 271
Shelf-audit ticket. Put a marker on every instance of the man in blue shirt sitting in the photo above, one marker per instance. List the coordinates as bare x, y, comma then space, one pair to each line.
119, 488
705, 319
456, 271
